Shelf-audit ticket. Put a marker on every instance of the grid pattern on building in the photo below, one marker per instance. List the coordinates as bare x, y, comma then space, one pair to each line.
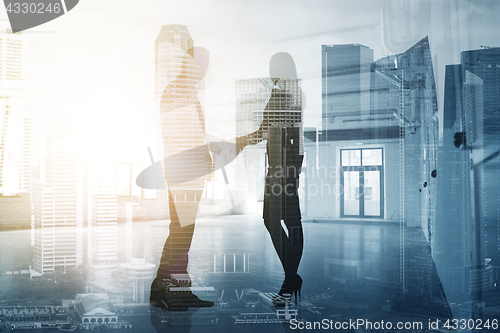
266, 102
485, 63
104, 225
58, 207
15, 120
345, 74
171, 44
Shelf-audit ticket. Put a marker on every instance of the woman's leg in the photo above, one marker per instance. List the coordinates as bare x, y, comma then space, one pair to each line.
293, 247
281, 203
288, 243
288, 247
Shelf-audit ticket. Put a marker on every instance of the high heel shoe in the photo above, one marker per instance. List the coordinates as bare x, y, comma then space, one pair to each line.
292, 286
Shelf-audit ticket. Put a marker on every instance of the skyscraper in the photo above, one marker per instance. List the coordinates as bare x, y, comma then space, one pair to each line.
388, 104
457, 235
104, 227
58, 202
380, 131
485, 63
346, 81
15, 119
172, 43
412, 101
403, 89
181, 115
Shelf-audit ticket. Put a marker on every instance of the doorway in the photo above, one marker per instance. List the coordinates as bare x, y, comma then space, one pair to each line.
362, 180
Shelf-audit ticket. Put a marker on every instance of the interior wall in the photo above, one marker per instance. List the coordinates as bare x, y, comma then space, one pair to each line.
322, 188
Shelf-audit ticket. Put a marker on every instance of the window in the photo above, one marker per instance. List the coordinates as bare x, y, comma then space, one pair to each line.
362, 183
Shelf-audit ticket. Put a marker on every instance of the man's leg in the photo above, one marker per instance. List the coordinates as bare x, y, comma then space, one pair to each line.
174, 258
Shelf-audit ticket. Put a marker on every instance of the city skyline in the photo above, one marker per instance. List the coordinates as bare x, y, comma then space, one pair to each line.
15, 117
228, 60
389, 113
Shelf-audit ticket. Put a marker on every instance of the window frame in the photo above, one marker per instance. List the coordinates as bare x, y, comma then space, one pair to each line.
361, 170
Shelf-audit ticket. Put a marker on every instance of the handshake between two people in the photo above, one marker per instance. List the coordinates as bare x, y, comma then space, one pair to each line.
212, 156
226, 148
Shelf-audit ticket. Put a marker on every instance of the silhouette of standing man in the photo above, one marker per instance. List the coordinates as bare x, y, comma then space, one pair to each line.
183, 132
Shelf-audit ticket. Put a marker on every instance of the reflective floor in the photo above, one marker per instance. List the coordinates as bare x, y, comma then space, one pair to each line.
350, 271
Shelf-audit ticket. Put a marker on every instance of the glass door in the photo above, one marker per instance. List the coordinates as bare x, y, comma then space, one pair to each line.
362, 183
351, 193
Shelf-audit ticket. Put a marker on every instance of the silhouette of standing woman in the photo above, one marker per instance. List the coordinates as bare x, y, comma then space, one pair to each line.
282, 128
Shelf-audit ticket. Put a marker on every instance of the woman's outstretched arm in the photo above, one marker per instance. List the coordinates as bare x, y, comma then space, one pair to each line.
252, 138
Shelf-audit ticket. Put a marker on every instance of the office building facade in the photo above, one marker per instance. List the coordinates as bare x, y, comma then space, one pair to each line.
58, 206
15, 119
172, 43
485, 64
104, 227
